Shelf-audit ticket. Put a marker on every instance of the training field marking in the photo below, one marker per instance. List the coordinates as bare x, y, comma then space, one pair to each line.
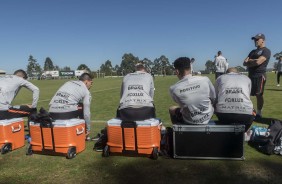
92, 92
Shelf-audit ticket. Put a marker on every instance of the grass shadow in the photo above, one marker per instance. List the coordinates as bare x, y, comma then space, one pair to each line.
143, 170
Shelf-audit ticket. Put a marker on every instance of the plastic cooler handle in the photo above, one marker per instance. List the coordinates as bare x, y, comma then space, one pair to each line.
16, 130
78, 132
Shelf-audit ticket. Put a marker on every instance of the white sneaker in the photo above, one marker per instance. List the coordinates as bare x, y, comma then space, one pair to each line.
278, 85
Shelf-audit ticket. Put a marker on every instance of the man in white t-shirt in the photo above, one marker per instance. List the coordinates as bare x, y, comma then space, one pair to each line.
10, 85
194, 95
234, 105
137, 93
221, 64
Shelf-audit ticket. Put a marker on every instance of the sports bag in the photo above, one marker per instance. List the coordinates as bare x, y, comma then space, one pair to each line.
267, 143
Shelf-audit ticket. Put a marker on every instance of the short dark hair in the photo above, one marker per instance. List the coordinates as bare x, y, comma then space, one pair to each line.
219, 53
85, 76
21, 73
182, 64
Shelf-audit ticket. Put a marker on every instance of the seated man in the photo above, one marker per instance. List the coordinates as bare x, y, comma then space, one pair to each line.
73, 100
193, 94
9, 88
234, 105
137, 92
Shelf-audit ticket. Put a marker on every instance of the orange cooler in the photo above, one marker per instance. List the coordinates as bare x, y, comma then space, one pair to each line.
66, 137
139, 137
11, 134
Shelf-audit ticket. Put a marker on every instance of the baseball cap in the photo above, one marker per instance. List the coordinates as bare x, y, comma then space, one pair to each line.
258, 36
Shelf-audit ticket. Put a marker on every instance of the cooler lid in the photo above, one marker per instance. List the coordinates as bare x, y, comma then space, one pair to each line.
209, 128
6, 122
64, 123
147, 122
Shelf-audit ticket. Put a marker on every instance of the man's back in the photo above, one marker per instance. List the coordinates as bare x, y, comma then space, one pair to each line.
68, 96
10, 86
233, 94
137, 90
221, 64
194, 94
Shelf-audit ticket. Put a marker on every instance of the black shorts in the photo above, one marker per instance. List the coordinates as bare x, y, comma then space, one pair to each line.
136, 114
257, 85
17, 112
237, 119
67, 115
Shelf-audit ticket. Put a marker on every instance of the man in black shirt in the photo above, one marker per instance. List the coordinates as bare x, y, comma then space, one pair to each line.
256, 63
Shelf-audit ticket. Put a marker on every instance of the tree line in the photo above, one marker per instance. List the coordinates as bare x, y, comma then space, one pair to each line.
159, 66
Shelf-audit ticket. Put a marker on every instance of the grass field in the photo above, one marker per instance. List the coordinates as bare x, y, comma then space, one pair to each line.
90, 167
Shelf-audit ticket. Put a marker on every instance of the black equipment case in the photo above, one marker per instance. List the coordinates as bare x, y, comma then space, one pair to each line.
208, 141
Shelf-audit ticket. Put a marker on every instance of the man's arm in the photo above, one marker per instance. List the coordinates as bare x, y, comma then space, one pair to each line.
152, 87
212, 92
254, 62
35, 91
86, 110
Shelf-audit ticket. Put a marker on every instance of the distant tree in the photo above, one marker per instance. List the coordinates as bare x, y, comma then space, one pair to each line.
277, 55
66, 68
128, 63
148, 63
209, 66
106, 68
83, 67
48, 65
161, 65
33, 68
56, 67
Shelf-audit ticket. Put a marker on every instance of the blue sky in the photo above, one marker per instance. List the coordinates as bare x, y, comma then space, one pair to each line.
74, 32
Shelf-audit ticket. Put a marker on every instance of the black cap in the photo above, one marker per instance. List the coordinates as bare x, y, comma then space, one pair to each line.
258, 36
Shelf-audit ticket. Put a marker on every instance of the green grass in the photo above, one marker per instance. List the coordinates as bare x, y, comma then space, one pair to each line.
90, 167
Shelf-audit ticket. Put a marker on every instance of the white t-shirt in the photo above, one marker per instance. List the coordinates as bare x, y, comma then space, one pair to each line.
137, 90
221, 64
233, 94
69, 96
194, 95
9, 88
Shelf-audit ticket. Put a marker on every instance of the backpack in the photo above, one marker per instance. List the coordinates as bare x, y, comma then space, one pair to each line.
43, 117
266, 144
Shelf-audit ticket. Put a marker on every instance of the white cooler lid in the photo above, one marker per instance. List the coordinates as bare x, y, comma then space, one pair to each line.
6, 122
64, 123
147, 122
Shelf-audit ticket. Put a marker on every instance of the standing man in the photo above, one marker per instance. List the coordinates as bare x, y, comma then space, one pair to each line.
221, 64
279, 70
256, 63
9, 88
192, 61
234, 105
137, 92
73, 100
194, 95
